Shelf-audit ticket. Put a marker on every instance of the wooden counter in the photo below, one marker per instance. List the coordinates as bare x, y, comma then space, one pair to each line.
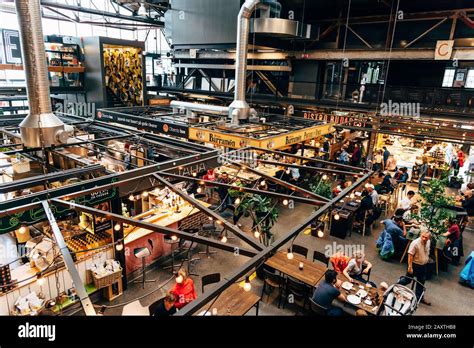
142, 237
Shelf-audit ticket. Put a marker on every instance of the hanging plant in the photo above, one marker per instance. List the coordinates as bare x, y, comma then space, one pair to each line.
321, 187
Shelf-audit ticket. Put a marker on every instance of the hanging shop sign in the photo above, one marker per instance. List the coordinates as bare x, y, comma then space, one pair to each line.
336, 119
147, 124
444, 49
10, 50
274, 142
12, 222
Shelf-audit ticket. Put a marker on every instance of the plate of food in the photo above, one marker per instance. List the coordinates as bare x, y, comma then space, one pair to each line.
354, 299
361, 293
347, 285
368, 302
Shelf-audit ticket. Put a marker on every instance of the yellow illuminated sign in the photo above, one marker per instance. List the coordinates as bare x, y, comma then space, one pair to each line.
275, 142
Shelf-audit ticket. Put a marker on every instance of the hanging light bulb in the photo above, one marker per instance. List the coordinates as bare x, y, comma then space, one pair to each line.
320, 233
352, 195
22, 229
131, 198
210, 218
40, 280
119, 247
117, 227
262, 183
199, 190
289, 255
247, 285
285, 202
336, 216
224, 239
194, 174
174, 237
234, 184
256, 234
237, 200
324, 177
287, 171
145, 194
219, 222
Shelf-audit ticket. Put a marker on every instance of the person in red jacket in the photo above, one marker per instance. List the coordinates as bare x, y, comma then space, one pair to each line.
183, 289
461, 158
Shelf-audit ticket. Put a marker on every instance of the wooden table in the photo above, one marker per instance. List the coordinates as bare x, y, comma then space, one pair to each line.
233, 301
311, 273
372, 292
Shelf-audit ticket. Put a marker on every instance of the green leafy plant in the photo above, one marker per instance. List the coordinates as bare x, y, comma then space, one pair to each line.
433, 208
321, 187
262, 212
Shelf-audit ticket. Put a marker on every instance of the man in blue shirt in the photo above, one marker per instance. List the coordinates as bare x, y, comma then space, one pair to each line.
327, 291
396, 228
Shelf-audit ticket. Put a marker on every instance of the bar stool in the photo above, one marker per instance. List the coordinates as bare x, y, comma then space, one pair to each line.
190, 259
172, 243
142, 253
209, 230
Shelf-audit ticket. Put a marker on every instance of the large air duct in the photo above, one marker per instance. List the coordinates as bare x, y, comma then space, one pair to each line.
41, 128
239, 107
215, 109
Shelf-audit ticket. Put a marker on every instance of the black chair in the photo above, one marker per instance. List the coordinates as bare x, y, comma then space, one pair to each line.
298, 249
321, 257
366, 276
317, 309
189, 258
298, 289
274, 281
152, 308
209, 230
210, 279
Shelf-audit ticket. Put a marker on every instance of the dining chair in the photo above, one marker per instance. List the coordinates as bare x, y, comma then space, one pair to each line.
274, 281
316, 308
319, 256
298, 289
298, 249
154, 305
210, 279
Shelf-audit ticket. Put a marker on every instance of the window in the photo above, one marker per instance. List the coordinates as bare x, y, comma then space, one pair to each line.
470, 79
448, 77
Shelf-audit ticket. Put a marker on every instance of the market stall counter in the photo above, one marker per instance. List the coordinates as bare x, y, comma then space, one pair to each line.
180, 217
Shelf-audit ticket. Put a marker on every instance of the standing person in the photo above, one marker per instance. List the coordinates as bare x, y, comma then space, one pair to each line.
223, 191
386, 155
356, 155
183, 289
327, 291
344, 156
461, 157
377, 161
423, 170
22, 236
418, 257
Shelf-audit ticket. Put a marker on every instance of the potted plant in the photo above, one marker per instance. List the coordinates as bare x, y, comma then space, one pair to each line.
320, 186
263, 213
434, 210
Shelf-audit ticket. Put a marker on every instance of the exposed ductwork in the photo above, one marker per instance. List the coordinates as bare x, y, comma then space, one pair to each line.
239, 108
221, 110
41, 128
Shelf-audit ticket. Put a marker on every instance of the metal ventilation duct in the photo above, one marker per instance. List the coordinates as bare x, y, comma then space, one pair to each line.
239, 108
41, 128
281, 27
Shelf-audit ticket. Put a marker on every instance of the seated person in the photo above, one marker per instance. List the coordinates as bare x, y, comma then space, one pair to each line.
386, 184
453, 248
391, 163
378, 179
402, 175
357, 266
407, 203
397, 230
165, 306
183, 290
327, 291
283, 174
366, 204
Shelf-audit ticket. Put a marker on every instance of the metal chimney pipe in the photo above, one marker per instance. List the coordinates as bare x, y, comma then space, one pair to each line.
239, 107
41, 128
